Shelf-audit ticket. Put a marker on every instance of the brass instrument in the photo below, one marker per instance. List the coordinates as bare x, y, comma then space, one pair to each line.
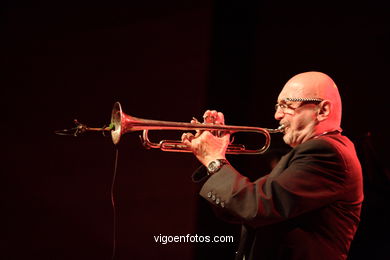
122, 123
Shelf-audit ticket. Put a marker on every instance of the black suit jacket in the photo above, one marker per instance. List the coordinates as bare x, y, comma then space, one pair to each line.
308, 207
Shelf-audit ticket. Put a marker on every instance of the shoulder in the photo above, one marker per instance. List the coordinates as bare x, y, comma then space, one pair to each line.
317, 146
336, 143
334, 148
319, 150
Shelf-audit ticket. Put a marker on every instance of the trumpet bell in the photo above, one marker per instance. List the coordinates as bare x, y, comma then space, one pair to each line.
122, 123
116, 122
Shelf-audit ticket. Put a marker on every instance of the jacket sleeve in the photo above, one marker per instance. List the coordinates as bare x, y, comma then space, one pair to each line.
308, 178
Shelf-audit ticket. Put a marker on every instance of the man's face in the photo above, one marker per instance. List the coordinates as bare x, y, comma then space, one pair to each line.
299, 119
309, 104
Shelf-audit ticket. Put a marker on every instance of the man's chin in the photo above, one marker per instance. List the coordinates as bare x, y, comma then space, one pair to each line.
289, 140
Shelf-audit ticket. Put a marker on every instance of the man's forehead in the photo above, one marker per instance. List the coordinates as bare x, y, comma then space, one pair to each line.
291, 91
300, 89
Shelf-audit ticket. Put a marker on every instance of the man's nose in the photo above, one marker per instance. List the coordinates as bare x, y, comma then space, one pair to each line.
279, 114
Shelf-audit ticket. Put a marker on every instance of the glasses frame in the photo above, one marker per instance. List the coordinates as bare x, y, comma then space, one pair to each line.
284, 107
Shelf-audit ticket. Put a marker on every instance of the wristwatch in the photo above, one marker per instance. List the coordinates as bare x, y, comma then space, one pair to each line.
215, 165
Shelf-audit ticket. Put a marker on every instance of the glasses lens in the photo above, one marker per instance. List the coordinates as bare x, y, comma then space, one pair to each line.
285, 108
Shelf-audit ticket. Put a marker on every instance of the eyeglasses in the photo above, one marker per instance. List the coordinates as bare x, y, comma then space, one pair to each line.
287, 109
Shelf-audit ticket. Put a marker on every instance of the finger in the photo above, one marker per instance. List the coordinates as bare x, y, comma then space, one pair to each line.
184, 137
227, 138
220, 119
214, 113
205, 115
195, 121
208, 117
187, 143
198, 133
226, 135
190, 136
187, 137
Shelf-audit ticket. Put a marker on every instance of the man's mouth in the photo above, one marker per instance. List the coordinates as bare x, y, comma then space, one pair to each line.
283, 127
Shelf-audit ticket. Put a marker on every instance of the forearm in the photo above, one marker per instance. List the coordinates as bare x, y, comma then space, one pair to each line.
233, 195
269, 199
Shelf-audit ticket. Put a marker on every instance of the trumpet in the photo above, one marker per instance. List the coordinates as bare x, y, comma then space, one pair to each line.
122, 123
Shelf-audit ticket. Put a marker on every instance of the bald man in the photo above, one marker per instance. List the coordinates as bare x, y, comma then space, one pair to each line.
309, 206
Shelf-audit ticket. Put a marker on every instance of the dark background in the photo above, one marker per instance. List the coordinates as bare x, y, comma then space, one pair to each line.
169, 60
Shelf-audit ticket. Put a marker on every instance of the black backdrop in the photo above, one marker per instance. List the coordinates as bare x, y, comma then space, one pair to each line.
169, 61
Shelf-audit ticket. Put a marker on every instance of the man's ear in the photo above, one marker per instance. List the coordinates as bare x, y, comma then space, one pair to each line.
324, 109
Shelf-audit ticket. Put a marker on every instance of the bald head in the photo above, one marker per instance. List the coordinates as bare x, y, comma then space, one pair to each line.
315, 85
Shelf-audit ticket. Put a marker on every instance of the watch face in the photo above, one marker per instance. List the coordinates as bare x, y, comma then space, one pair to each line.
214, 166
